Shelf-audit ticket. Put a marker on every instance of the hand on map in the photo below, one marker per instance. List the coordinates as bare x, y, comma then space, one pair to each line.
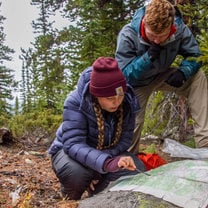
126, 162
114, 164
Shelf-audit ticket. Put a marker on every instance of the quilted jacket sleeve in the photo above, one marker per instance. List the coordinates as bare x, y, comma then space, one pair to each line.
74, 138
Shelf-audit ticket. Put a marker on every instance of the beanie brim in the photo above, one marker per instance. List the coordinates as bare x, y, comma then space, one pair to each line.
106, 78
117, 88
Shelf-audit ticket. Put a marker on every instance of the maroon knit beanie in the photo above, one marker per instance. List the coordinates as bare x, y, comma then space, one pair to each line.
106, 78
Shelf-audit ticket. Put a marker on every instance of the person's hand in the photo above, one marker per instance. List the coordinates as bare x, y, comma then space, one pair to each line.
126, 162
176, 79
92, 184
120, 162
154, 51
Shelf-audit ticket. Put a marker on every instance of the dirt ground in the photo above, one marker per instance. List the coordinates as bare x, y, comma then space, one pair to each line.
27, 180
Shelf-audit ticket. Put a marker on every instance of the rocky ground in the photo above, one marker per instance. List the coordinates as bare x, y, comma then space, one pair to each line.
27, 180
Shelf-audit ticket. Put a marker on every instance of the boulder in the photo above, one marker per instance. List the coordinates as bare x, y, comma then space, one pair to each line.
5, 135
127, 199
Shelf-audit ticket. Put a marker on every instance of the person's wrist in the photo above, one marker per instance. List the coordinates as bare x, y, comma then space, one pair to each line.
111, 164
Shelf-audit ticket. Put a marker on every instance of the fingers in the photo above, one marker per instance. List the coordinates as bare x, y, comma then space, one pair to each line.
126, 163
93, 182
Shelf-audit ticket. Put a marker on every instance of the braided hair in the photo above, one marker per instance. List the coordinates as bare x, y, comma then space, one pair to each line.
100, 123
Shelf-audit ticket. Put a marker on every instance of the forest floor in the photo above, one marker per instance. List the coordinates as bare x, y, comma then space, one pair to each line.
27, 179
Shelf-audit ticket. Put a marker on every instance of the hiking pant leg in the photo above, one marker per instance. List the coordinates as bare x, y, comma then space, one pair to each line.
74, 177
195, 89
142, 94
196, 92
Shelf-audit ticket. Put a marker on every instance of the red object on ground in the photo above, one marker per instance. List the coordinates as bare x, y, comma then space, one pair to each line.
151, 161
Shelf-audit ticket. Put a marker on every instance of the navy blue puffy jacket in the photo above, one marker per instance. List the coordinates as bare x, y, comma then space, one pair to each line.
78, 133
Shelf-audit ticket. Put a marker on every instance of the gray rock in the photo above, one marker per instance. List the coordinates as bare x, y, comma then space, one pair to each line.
5, 135
124, 199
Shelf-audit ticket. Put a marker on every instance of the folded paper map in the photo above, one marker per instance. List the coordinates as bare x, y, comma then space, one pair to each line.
183, 183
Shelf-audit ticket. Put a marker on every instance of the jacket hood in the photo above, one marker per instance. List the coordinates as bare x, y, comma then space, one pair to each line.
137, 19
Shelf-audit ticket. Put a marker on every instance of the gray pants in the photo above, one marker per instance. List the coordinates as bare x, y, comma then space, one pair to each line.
75, 178
194, 89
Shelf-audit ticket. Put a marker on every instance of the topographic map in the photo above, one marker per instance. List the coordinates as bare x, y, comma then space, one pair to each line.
183, 183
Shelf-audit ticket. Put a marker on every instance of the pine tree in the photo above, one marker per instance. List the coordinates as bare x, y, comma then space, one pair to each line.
96, 24
7, 82
45, 78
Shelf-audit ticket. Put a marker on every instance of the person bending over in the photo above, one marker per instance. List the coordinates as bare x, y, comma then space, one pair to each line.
146, 49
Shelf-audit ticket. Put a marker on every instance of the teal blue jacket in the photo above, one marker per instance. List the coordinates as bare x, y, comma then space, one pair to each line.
134, 61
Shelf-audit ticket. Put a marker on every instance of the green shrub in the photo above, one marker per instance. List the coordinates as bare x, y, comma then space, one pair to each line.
27, 124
